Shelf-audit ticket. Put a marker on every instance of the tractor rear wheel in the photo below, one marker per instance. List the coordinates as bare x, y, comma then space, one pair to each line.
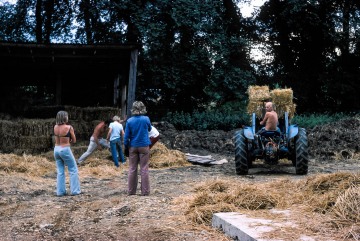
243, 160
301, 151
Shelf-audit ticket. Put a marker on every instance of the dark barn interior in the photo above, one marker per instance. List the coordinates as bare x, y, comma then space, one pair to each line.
66, 74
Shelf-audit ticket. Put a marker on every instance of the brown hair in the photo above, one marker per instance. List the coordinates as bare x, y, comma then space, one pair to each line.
138, 108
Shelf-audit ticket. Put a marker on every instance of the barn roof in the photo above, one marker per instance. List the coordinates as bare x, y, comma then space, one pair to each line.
61, 55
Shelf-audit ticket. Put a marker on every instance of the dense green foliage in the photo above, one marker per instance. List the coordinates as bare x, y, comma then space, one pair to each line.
314, 119
207, 120
229, 120
229, 117
198, 53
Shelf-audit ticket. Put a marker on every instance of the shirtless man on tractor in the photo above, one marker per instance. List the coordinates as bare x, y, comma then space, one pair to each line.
270, 119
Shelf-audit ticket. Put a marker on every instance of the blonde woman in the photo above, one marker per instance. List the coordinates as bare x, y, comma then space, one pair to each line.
64, 135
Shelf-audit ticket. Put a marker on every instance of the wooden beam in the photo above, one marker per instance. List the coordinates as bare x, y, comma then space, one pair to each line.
132, 81
123, 102
116, 90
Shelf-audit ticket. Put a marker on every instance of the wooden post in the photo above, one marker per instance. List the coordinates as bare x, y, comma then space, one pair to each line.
116, 90
132, 81
123, 101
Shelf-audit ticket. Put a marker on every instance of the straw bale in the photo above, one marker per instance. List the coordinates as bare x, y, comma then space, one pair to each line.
282, 95
161, 156
99, 113
256, 107
283, 101
75, 113
37, 127
257, 97
35, 143
8, 142
258, 93
10, 127
83, 130
281, 98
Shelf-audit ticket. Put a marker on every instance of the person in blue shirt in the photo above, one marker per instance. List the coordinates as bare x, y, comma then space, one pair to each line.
137, 141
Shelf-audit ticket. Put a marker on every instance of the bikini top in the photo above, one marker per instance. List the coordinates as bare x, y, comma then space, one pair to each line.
67, 134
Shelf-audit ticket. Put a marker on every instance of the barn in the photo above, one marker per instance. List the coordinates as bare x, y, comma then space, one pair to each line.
35, 75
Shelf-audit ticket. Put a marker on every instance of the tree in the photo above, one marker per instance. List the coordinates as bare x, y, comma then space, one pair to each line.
304, 36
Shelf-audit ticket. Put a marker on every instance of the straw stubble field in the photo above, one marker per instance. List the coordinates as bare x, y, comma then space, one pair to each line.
322, 204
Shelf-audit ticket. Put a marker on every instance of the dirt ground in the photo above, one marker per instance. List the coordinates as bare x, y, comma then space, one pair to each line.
30, 210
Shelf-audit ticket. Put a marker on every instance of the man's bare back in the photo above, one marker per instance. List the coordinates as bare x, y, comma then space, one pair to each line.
270, 119
99, 131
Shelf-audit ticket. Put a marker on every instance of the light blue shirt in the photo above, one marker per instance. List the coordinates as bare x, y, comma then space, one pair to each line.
116, 129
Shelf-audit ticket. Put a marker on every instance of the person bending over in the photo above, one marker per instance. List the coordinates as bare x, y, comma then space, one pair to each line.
96, 140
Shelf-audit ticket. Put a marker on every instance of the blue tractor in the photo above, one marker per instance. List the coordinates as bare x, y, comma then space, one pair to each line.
289, 141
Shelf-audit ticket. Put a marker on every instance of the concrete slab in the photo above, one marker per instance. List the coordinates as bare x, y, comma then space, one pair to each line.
241, 227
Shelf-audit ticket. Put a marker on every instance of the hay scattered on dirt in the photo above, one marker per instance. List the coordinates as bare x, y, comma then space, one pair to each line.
97, 164
161, 157
322, 191
332, 197
31, 165
347, 206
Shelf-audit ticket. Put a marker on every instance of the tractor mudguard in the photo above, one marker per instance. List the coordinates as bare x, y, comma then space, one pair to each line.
248, 133
293, 131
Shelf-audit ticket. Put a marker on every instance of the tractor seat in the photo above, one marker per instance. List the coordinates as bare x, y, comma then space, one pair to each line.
271, 133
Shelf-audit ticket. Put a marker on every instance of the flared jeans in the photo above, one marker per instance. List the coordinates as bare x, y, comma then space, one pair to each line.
64, 157
139, 156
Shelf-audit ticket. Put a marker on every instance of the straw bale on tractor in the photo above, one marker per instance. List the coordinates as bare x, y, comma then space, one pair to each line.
281, 98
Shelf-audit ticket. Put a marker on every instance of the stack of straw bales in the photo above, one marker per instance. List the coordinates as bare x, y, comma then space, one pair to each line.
281, 98
258, 95
34, 136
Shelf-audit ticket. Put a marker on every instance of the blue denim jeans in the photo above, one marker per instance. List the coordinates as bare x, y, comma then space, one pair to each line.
116, 151
64, 157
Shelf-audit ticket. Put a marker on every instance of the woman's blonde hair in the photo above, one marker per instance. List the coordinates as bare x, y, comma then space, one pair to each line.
116, 118
62, 117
